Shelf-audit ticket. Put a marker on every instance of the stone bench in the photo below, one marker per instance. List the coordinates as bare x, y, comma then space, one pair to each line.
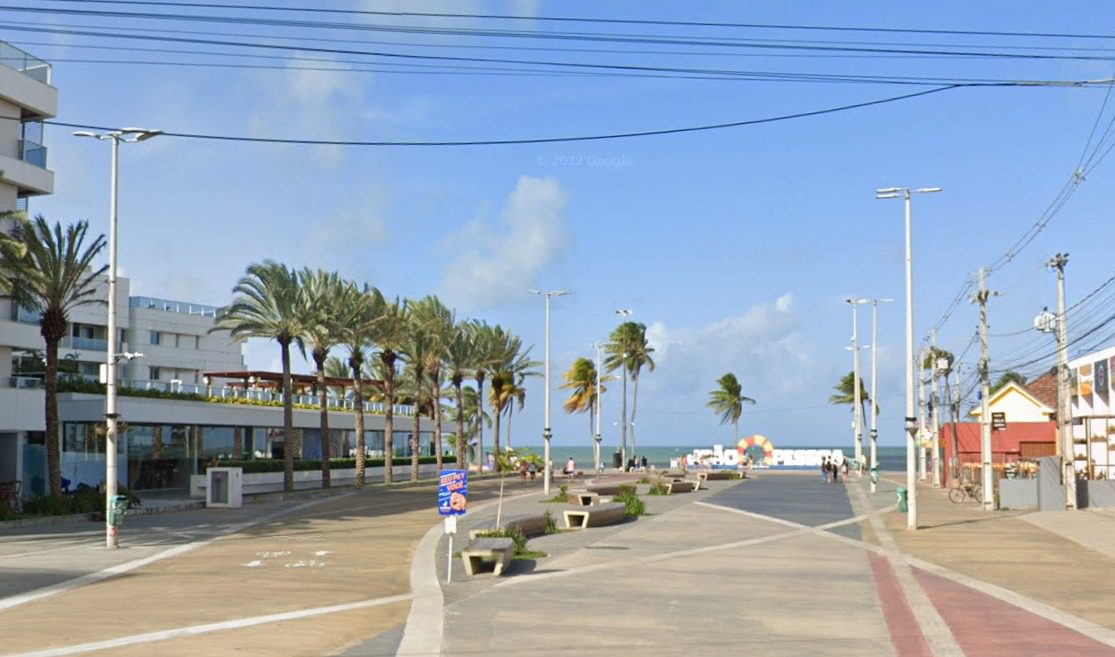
594, 516
496, 549
530, 525
583, 498
716, 475
680, 486
608, 490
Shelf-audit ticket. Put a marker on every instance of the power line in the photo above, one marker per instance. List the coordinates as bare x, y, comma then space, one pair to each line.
610, 21
533, 140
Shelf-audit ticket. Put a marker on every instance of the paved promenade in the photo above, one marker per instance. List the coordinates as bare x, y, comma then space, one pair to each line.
781, 564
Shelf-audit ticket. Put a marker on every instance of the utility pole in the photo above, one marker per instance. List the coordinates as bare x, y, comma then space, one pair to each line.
857, 394
981, 297
922, 355
954, 465
1064, 411
874, 400
597, 439
934, 409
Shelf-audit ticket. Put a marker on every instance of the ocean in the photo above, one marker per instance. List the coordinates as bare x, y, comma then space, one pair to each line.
890, 458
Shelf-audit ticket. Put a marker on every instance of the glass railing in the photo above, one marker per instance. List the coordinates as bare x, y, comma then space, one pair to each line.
24, 382
24, 62
173, 306
89, 344
32, 153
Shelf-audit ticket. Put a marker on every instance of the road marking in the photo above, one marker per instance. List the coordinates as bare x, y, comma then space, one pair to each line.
193, 630
934, 628
119, 569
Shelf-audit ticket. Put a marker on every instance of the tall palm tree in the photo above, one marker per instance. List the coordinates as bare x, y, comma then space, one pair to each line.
322, 308
846, 393
504, 350
728, 401
390, 335
581, 379
416, 351
51, 271
268, 305
474, 415
514, 390
482, 336
459, 357
628, 344
362, 309
438, 323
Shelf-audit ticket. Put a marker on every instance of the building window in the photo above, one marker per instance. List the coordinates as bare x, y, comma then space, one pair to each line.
155, 372
197, 342
177, 340
155, 337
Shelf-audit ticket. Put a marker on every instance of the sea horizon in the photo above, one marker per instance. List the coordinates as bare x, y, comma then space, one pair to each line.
890, 457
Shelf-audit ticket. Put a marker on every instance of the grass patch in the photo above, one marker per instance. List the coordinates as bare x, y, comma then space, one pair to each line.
561, 498
529, 555
657, 488
633, 507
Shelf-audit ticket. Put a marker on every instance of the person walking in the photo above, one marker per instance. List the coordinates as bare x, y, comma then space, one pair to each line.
825, 469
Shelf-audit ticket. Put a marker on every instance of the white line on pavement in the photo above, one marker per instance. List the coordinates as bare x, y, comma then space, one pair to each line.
193, 630
70, 584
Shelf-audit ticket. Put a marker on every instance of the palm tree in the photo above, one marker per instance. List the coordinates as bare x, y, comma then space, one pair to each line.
322, 306
361, 314
391, 335
474, 415
516, 394
482, 336
268, 306
416, 350
51, 271
1009, 376
581, 379
728, 401
505, 350
336, 367
459, 357
628, 343
846, 393
438, 323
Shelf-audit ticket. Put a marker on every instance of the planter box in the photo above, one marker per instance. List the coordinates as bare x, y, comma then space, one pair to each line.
270, 482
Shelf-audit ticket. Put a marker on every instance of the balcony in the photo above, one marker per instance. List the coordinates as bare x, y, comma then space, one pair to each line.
167, 305
88, 344
32, 153
24, 62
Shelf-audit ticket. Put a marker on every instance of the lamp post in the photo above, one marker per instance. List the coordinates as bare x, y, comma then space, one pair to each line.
857, 396
546, 433
624, 312
126, 135
911, 420
874, 379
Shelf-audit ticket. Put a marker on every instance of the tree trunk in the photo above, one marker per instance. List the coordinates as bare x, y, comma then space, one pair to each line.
323, 409
53, 453
634, 408
288, 419
237, 444
415, 440
497, 412
735, 425
480, 423
358, 403
389, 416
435, 387
462, 443
510, 411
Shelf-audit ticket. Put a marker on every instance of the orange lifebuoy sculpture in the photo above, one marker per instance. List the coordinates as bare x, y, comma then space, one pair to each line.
758, 440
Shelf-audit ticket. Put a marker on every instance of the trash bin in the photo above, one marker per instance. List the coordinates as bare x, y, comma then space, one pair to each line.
617, 460
117, 510
875, 474
901, 492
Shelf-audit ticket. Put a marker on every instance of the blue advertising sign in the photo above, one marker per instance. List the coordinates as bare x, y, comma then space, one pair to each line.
452, 492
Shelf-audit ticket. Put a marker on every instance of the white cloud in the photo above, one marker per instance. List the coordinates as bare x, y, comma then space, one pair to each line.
495, 264
349, 232
764, 347
308, 103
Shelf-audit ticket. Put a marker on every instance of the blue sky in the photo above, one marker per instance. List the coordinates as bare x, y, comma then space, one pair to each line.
736, 247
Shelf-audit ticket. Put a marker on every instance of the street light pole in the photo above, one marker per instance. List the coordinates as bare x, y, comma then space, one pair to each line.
624, 312
597, 439
546, 433
127, 135
874, 379
857, 395
911, 419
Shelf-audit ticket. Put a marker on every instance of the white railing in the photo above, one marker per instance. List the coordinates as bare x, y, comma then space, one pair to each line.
258, 395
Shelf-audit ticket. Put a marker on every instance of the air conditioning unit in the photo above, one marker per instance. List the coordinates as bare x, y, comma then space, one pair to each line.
224, 488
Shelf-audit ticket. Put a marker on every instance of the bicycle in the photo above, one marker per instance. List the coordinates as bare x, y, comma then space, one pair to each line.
959, 494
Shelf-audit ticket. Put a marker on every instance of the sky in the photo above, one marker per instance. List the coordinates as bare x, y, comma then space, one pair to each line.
736, 247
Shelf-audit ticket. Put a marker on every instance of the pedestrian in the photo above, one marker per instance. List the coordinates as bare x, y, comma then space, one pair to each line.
570, 467
825, 469
644, 463
835, 470
523, 468
845, 469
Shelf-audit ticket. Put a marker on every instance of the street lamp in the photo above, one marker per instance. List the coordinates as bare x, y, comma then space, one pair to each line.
129, 136
546, 424
857, 396
597, 439
624, 312
874, 399
911, 420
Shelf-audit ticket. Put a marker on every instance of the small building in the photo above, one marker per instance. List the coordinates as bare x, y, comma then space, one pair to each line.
1093, 423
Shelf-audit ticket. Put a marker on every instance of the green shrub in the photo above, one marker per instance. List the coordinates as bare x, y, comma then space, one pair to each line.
561, 497
657, 488
515, 535
633, 506
551, 523
48, 505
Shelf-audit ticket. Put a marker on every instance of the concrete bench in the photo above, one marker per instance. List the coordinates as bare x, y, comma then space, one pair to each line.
582, 498
497, 549
531, 525
716, 475
680, 486
607, 490
594, 516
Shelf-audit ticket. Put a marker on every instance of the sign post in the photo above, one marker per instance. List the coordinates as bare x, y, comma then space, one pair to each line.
452, 501
998, 421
